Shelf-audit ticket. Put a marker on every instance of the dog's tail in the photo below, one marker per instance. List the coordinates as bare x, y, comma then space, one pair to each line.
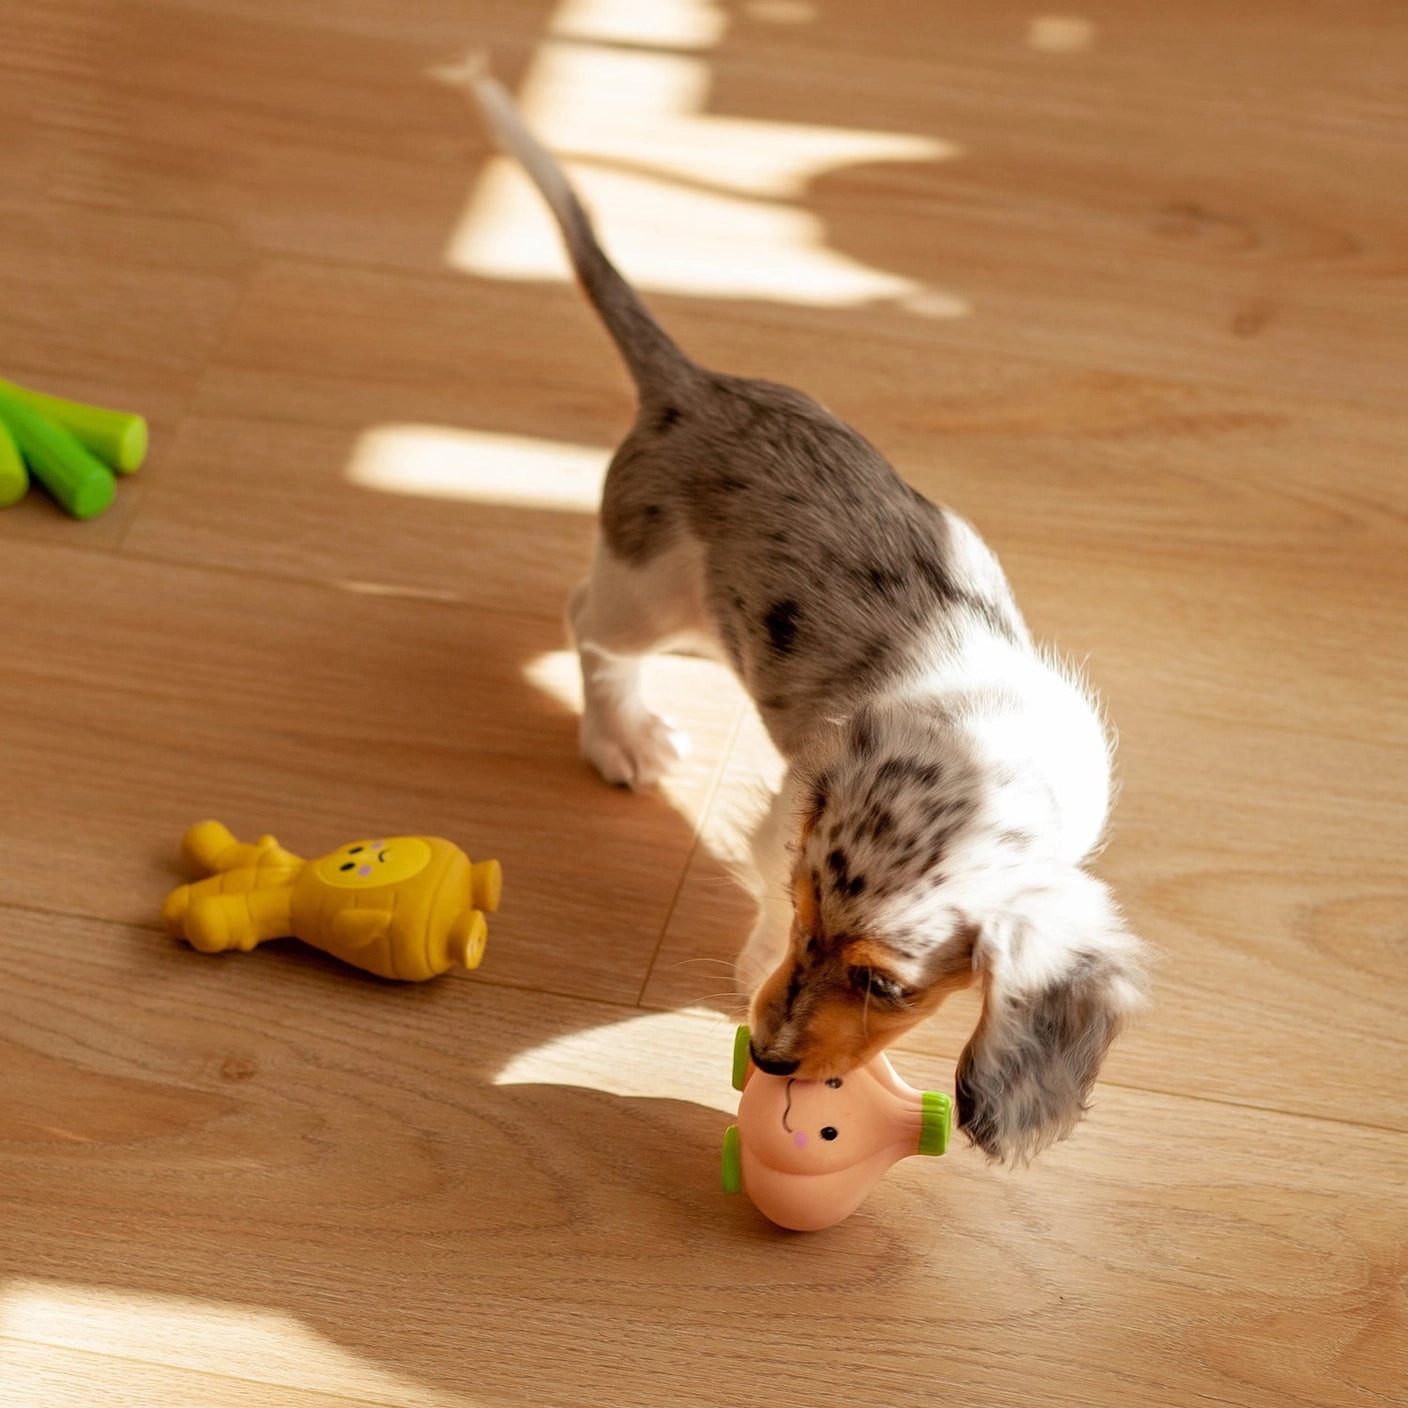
655, 362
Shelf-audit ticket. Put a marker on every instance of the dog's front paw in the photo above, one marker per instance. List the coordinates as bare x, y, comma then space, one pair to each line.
636, 755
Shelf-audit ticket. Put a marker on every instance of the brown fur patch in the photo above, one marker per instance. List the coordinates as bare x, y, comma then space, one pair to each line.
867, 953
806, 903
844, 1031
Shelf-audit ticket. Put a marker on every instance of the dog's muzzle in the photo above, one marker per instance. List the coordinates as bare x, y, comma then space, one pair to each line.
772, 1065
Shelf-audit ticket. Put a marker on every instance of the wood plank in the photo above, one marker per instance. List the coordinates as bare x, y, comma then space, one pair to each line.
118, 309
1156, 357
318, 356
48, 1375
347, 1165
320, 714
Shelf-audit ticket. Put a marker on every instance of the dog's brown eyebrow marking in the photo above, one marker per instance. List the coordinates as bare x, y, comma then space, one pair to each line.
866, 953
806, 898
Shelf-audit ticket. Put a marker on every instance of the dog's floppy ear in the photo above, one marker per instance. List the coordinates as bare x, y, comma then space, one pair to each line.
1061, 974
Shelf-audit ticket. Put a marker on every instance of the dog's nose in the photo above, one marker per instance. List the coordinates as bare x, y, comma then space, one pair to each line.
770, 1064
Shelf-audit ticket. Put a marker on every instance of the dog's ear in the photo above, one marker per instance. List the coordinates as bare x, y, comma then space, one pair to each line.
1061, 975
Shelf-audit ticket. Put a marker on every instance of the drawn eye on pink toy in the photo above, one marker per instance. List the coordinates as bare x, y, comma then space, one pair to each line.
807, 1152
800, 1137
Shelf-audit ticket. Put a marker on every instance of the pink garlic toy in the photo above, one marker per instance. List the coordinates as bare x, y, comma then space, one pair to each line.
808, 1152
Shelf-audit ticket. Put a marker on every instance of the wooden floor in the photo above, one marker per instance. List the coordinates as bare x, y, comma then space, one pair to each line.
1126, 286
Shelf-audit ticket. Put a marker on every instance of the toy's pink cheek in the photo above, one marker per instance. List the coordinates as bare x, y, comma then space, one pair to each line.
800, 1139
364, 871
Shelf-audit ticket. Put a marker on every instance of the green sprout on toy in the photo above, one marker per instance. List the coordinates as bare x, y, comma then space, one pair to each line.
73, 450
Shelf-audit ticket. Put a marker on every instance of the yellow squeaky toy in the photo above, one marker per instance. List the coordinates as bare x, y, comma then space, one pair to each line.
407, 907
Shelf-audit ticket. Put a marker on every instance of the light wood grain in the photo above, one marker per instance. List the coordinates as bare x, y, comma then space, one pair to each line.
334, 1154
1173, 402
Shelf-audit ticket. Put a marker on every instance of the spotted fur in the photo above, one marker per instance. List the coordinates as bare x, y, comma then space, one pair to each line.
947, 779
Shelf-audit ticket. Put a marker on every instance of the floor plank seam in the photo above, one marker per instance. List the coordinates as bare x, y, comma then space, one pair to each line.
161, 1364
695, 842
247, 280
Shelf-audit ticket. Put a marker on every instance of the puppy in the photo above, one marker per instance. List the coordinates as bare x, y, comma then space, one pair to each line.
947, 778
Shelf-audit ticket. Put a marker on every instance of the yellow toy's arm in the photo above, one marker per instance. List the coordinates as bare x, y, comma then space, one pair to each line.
356, 928
213, 923
486, 886
467, 936
209, 848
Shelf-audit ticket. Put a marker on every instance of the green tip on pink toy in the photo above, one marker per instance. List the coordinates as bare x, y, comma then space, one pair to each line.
73, 450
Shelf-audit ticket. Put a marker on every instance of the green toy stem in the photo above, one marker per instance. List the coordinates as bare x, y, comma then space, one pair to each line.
119, 438
82, 484
937, 1122
14, 478
741, 1053
731, 1169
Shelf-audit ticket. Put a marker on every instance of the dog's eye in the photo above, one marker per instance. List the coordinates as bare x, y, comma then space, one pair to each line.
877, 985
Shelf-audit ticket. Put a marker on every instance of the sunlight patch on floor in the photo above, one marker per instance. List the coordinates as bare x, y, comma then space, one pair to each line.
673, 685
689, 202
429, 461
684, 1055
683, 24
69, 1344
781, 11
1061, 34
395, 589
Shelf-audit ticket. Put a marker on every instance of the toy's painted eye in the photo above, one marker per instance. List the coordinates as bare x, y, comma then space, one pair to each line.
354, 850
829, 1132
834, 1082
348, 866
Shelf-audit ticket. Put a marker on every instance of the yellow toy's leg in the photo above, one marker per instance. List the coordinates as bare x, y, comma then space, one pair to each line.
210, 848
214, 923
486, 885
173, 912
467, 937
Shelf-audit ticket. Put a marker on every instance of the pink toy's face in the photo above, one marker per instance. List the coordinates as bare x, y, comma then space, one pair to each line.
804, 1126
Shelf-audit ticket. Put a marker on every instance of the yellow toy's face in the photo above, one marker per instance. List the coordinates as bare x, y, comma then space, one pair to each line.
367, 865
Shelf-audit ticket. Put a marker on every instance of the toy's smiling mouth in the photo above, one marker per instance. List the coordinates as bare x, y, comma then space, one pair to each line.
381, 855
